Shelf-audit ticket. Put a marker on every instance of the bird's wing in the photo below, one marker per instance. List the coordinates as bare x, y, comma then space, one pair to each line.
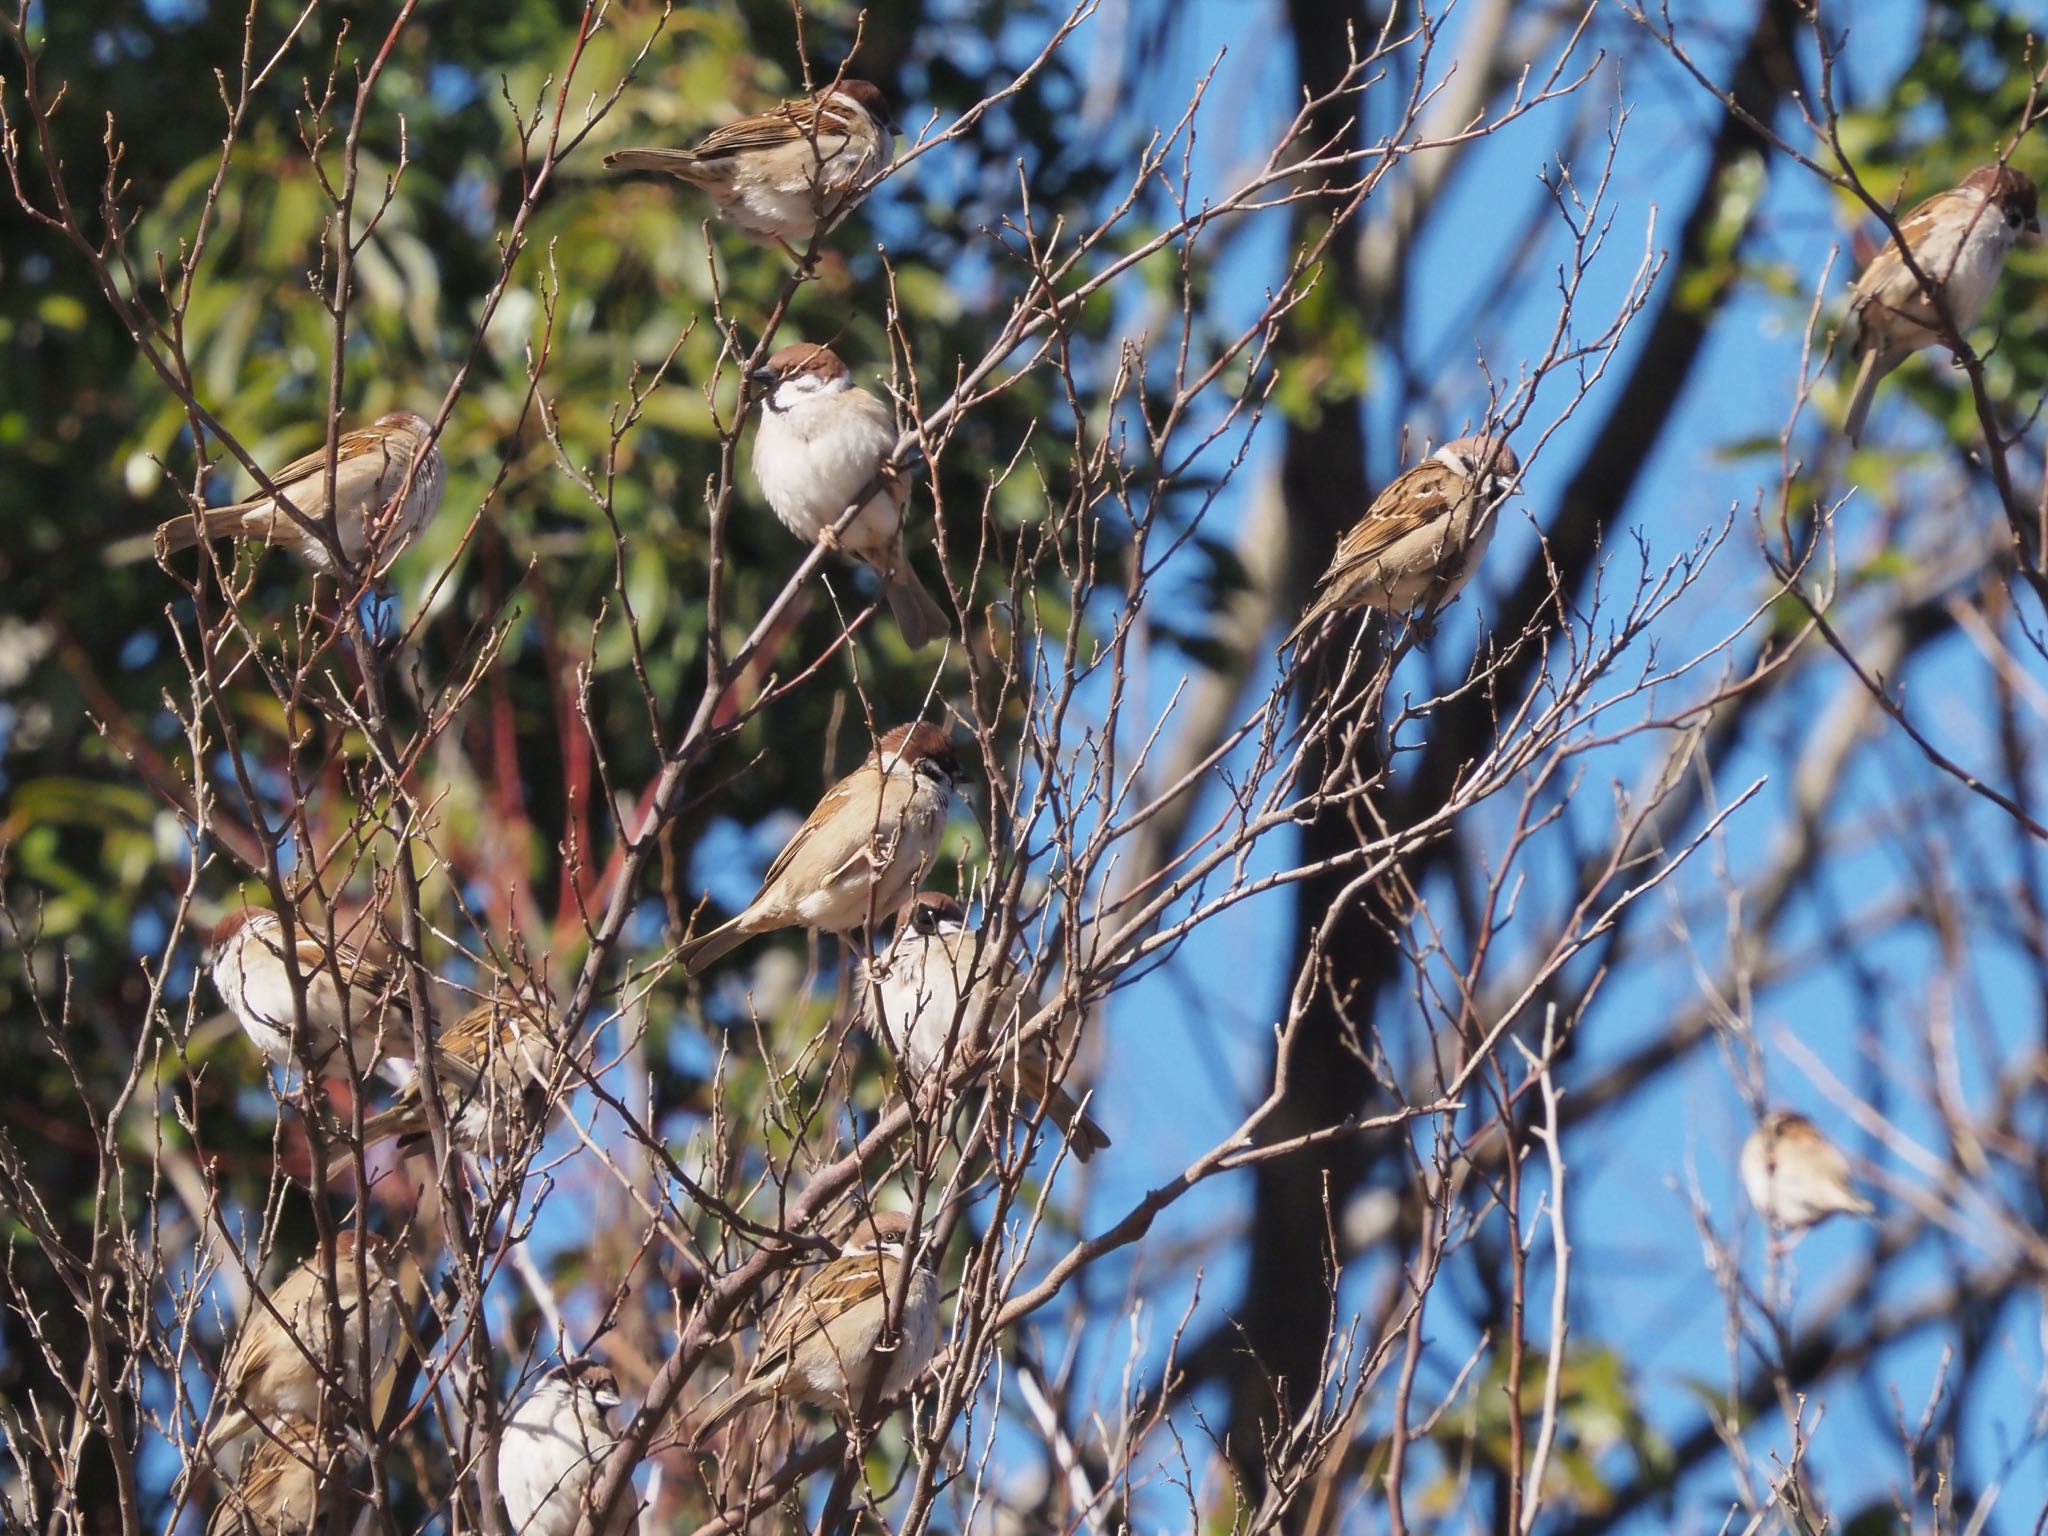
369, 966
789, 123
1888, 283
1417, 499
845, 1283
466, 1046
359, 455
855, 822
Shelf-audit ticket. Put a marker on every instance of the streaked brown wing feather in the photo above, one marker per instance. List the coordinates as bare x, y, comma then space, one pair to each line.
1414, 501
358, 965
1886, 279
835, 1290
841, 840
311, 466
764, 130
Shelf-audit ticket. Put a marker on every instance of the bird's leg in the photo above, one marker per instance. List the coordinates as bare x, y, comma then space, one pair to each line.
806, 266
931, 1095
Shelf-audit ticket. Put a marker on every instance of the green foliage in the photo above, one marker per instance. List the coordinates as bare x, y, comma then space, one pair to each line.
614, 276
1598, 1420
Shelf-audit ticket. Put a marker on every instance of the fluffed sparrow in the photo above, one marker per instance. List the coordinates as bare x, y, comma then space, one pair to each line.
822, 442
1423, 536
783, 175
825, 1343
1959, 240
288, 1485
555, 1442
277, 1368
867, 846
1794, 1176
939, 1004
492, 1066
356, 989
374, 465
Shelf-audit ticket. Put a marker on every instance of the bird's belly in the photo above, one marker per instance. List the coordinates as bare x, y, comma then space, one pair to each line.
919, 1339
1976, 274
810, 480
269, 1015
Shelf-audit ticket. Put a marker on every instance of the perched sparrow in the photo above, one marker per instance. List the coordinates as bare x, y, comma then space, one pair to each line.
288, 1485
822, 442
784, 175
825, 1343
866, 847
278, 1366
1795, 1176
491, 1065
1422, 537
1959, 240
372, 466
554, 1444
932, 994
356, 989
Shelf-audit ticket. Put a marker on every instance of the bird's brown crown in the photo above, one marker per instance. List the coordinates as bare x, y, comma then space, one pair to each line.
592, 1375
868, 97
927, 911
2009, 189
1484, 454
805, 357
921, 743
232, 924
879, 1229
374, 1248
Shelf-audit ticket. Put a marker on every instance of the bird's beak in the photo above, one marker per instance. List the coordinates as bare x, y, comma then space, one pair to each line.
607, 1400
764, 375
2033, 231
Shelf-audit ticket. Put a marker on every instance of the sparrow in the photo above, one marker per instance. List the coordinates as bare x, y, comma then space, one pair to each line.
935, 1003
356, 989
554, 1443
822, 442
1959, 240
867, 846
288, 1485
1422, 537
825, 1343
277, 1368
786, 175
493, 1066
1794, 1176
373, 465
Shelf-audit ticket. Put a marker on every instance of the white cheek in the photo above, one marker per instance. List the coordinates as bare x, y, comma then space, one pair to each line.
793, 392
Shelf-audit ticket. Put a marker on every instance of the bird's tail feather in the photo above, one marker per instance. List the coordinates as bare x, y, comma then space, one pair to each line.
1083, 1134
400, 1120
238, 1423
182, 532
735, 1402
705, 949
1310, 622
670, 162
917, 612
1874, 367
1061, 1108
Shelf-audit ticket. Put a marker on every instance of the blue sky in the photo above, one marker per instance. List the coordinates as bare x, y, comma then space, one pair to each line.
1186, 1048
1197, 1038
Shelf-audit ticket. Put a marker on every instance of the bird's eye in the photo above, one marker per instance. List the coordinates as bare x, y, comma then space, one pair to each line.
934, 770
